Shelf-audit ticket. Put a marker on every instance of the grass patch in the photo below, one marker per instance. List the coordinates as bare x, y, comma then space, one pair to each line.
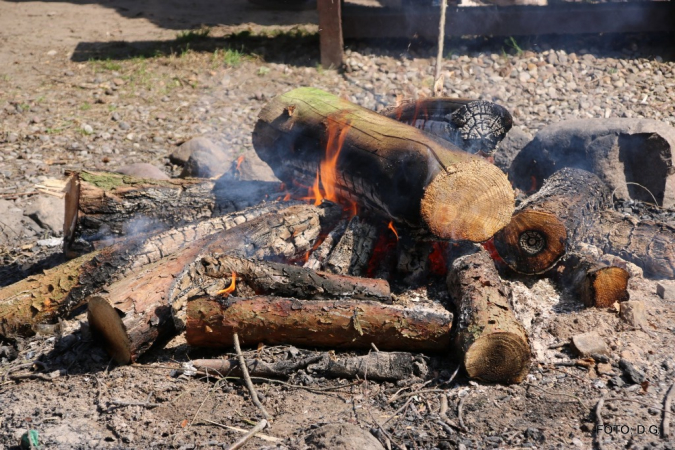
185, 37
262, 71
85, 106
511, 42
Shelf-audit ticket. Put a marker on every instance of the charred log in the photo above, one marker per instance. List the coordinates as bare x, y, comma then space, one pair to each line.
141, 302
472, 125
552, 221
256, 367
595, 283
353, 250
211, 322
212, 273
101, 207
493, 344
382, 165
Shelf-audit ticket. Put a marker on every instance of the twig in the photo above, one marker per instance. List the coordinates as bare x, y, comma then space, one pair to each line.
398, 411
372, 344
562, 394
259, 427
438, 79
599, 424
557, 345
443, 413
454, 374
264, 437
412, 394
460, 408
667, 403
247, 379
144, 404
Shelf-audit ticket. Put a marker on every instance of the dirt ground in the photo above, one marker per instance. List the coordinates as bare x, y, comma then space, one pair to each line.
96, 85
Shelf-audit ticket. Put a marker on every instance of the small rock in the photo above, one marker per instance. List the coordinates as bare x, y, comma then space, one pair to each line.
631, 374
343, 436
48, 212
588, 343
143, 170
51, 53
666, 291
205, 158
633, 313
124, 125
617, 382
604, 369
88, 129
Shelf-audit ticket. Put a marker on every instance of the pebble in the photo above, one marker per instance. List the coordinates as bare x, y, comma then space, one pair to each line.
589, 343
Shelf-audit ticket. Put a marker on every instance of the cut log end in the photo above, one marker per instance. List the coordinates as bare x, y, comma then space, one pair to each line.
107, 325
605, 286
498, 357
532, 242
469, 201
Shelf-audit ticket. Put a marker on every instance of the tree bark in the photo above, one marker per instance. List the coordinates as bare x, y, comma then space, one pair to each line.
101, 207
382, 165
140, 308
493, 344
211, 322
650, 245
472, 125
552, 221
270, 278
596, 284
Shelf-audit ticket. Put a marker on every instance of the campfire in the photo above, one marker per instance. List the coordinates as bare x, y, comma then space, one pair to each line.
368, 205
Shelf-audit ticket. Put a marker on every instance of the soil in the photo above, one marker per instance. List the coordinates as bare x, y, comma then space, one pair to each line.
97, 85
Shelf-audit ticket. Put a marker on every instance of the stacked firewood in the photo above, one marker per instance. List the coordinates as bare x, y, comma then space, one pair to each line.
218, 259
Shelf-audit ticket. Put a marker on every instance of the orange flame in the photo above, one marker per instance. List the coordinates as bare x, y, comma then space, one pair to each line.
325, 185
391, 227
239, 161
230, 289
287, 197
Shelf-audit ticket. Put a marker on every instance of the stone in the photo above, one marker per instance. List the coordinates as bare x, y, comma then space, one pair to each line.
143, 170
205, 160
633, 313
344, 436
631, 373
666, 291
604, 369
618, 150
589, 343
48, 212
514, 141
252, 168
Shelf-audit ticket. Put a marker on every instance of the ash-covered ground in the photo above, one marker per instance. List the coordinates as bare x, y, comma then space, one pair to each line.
98, 86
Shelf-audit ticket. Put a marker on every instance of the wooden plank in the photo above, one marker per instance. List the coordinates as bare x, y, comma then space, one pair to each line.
652, 16
330, 33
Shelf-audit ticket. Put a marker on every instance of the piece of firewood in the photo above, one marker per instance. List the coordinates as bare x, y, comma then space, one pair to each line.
378, 366
317, 259
103, 206
549, 223
382, 165
256, 367
493, 344
473, 125
647, 244
352, 252
44, 298
595, 283
138, 309
211, 322
212, 273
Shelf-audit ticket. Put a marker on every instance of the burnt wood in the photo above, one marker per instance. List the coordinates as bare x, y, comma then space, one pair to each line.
383, 165
594, 283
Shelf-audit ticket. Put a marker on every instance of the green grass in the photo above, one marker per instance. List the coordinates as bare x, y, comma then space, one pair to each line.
85, 106
262, 71
185, 37
511, 42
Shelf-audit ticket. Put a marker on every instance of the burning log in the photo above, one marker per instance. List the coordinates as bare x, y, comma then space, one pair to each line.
494, 345
103, 206
596, 284
137, 309
376, 163
317, 260
211, 273
211, 322
473, 125
552, 221
44, 298
353, 250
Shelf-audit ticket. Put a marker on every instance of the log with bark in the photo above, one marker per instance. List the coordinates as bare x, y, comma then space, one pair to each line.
549, 223
594, 282
473, 125
44, 298
382, 165
212, 273
101, 207
212, 321
138, 309
492, 343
